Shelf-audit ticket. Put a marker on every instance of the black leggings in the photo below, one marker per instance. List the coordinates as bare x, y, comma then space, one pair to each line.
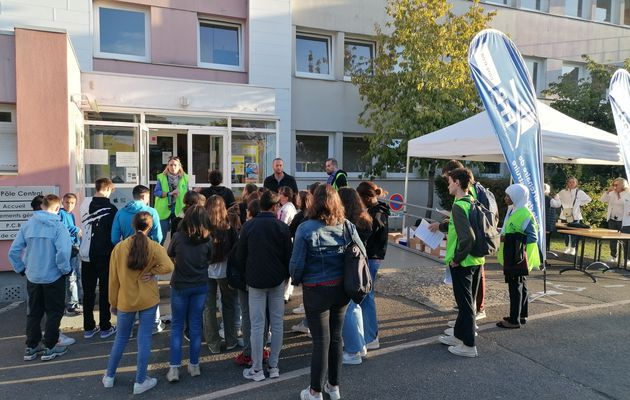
325, 308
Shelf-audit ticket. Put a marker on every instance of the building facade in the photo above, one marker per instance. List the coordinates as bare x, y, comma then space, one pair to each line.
113, 88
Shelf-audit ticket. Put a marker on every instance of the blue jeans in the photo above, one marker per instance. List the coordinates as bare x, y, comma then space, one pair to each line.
165, 226
353, 339
186, 303
74, 289
125, 323
368, 306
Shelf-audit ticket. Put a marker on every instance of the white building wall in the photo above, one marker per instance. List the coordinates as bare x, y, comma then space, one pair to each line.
72, 15
270, 62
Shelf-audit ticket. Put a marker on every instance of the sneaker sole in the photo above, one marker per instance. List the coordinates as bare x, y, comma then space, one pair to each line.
470, 355
352, 362
31, 358
53, 356
254, 378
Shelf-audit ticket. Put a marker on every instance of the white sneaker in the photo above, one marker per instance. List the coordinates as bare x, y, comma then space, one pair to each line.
352, 358
451, 331
567, 250
572, 251
364, 351
274, 372
450, 340
480, 315
65, 340
463, 350
299, 310
193, 370
249, 373
149, 383
451, 324
612, 259
333, 391
306, 395
301, 328
108, 382
373, 345
173, 374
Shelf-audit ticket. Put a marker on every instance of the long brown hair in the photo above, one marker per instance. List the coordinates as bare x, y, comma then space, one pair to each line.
222, 240
288, 193
139, 250
305, 199
327, 206
355, 212
195, 224
369, 193
217, 212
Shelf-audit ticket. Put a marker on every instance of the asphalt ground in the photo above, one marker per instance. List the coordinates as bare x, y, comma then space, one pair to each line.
575, 345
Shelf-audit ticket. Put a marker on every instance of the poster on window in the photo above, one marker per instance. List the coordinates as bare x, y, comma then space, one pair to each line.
251, 172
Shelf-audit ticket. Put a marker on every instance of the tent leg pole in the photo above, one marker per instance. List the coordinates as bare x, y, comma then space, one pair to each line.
405, 195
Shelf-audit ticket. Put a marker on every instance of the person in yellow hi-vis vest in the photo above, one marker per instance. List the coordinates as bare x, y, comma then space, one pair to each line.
171, 187
518, 253
463, 266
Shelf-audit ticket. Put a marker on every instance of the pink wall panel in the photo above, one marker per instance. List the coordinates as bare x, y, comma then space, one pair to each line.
7, 69
227, 8
173, 36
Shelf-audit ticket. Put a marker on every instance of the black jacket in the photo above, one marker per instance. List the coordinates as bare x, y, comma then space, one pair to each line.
101, 219
222, 191
263, 251
192, 256
287, 180
376, 245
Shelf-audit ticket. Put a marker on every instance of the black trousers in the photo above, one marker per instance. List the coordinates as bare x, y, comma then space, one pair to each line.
48, 299
325, 308
519, 298
93, 272
465, 285
613, 244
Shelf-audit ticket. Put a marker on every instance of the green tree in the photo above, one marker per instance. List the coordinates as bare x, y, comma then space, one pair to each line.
419, 80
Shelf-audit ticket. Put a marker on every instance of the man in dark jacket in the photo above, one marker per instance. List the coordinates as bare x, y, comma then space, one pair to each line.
336, 177
279, 178
97, 216
216, 178
264, 250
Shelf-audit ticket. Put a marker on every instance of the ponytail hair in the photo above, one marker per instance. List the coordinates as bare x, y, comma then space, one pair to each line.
139, 251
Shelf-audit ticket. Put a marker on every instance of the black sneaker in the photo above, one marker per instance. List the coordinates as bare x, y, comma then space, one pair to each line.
31, 353
51, 354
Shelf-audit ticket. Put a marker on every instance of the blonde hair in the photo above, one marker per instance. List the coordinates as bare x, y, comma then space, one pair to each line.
181, 167
623, 183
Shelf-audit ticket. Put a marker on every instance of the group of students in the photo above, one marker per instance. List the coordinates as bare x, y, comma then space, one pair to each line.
246, 251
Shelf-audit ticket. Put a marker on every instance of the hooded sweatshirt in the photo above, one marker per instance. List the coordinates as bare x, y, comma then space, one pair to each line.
67, 218
122, 227
97, 216
41, 248
192, 256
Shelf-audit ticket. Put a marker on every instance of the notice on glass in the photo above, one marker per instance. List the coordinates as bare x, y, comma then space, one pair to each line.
96, 156
431, 239
165, 156
131, 175
126, 159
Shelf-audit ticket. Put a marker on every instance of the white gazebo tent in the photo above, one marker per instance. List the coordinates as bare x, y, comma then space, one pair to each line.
565, 140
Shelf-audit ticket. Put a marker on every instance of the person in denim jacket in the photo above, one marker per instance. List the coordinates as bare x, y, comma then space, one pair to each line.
317, 263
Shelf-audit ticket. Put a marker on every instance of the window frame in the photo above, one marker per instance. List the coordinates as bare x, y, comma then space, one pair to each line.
331, 146
540, 83
117, 56
364, 42
10, 126
343, 148
226, 67
331, 56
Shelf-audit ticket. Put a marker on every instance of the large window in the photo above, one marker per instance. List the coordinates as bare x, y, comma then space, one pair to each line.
539, 5
8, 140
604, 10
220, 45
313, 55
111, 152
252, 153
574, 8
357, 57
122, 33
536, 72
311, 152
572, 72
355, 150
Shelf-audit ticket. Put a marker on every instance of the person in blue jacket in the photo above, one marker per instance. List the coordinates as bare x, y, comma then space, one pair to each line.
41, 251
122, 227
74, 289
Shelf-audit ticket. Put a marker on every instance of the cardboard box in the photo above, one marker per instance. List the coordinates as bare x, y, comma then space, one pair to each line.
394, 237
416, 244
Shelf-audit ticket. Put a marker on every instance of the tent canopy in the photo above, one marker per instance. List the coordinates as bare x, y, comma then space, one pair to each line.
565, 140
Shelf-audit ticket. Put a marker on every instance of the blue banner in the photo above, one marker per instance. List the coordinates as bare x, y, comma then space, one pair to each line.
619, 96
508, 95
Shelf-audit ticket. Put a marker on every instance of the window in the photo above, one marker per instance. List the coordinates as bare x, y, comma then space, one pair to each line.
355, 150
626, 13
122, 33
536, 72
312, 55
573, 8
252, 153
602, 12
572, 72
539, 5
220, 45
357, 57
8, 141
311, 153
101, 145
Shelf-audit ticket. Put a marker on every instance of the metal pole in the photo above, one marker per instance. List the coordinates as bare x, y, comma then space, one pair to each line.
405, 191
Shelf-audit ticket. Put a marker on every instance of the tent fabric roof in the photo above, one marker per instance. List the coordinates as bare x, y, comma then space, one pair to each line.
565, 140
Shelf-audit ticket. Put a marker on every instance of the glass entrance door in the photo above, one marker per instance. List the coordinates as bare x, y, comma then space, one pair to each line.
207, 152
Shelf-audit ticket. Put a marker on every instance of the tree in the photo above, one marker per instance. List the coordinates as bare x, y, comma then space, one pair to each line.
419, 80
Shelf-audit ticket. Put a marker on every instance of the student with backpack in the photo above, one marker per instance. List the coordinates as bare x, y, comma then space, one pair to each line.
463, 266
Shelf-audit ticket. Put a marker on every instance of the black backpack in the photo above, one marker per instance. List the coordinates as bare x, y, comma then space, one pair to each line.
357, 280
484, 226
